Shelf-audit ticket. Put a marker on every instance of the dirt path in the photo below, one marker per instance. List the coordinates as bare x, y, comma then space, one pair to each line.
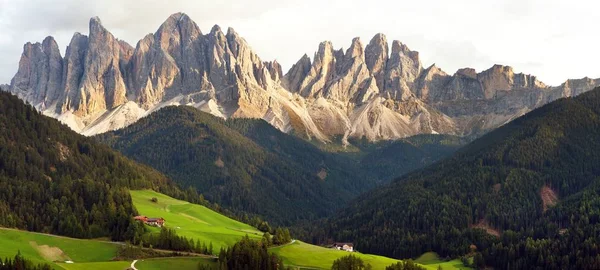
133, 265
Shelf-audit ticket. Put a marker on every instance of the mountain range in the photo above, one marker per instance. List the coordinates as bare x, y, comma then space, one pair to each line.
373, 91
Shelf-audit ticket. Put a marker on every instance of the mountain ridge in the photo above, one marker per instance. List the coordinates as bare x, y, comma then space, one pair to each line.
371, 91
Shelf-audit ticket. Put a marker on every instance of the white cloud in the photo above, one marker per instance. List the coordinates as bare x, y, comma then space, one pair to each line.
552, 39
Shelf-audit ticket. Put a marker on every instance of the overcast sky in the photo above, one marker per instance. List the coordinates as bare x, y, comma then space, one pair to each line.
552, 39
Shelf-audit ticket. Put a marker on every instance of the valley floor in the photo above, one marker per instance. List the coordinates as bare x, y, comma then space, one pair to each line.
190, 220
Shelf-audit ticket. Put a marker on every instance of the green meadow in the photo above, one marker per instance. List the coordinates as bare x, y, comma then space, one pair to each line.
47, 248
199, 222
192, 220
174, 263
118, 265
306, 256
432, 261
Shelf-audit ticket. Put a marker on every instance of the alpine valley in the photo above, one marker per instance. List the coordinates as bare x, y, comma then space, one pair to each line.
188, 151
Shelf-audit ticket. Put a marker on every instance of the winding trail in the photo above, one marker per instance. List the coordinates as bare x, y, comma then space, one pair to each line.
133, 265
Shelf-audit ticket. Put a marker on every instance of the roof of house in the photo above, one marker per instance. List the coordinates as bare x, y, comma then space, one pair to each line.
343, 244
155, 219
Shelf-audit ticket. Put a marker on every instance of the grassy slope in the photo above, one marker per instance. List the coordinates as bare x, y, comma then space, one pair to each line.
432, 260
174, 263
87, 254
191, 220
97, 265
77, 250
305, 255
199, 222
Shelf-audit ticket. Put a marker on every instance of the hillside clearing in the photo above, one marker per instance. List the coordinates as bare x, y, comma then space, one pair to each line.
306, 256
192, 220
549, 197
47, 248
431, 260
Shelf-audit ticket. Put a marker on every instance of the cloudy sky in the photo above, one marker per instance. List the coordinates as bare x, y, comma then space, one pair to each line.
554, 40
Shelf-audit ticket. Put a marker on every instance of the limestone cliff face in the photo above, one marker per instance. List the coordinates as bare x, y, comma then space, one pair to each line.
379, 91
38, 79
102, 86
73, 69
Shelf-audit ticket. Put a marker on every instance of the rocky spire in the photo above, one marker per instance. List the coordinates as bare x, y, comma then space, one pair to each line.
73, 69
38, 78
99, 93
352, 77
376, 56
274, 70
403, 68
169, 62
295, 76
321, 71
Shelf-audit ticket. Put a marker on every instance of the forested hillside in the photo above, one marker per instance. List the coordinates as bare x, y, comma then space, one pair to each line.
57, 181
248, 166
200, 150
391, 159
525, 196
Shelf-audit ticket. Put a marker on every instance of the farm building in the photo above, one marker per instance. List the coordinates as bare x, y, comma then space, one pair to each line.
344, 246
157, 222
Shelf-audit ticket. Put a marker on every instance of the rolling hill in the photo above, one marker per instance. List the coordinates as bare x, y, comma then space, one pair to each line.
199, 223
192, 220
81, 253
520, 197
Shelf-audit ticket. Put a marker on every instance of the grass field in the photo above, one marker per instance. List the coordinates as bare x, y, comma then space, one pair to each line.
182, 263
432, 260
122, 265
192, 220
46, 248
308, 256
199, 222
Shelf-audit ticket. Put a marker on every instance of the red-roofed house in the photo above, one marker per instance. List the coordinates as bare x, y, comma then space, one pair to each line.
157, 222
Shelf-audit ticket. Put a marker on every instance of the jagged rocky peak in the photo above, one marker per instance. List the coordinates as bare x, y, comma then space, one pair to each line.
356, 49
38, 78
431, 82
322, 70
467, 72
275, 70
100, 93
73, 68
376, 57
403, 68
295, 76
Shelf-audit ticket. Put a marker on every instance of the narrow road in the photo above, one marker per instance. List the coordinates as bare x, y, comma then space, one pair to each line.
133, 265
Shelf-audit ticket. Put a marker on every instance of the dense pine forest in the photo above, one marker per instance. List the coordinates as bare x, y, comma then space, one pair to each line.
524, 196
56, 181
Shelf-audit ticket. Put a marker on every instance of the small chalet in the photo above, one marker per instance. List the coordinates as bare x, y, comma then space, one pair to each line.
344, 246
156, 222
